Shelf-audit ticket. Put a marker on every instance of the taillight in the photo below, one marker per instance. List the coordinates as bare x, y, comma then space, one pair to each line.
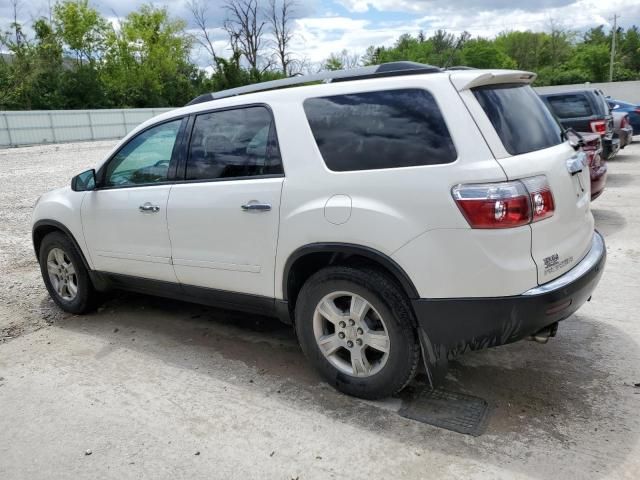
624, 122
541, 197
598, 126
505, 204
494, 205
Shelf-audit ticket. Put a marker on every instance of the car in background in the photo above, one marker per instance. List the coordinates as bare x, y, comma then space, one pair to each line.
585, 111
632, 109
592, 146
622, 128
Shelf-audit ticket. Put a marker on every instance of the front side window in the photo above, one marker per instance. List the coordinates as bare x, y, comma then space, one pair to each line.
233, 144
384, 129
145, 159
520, 118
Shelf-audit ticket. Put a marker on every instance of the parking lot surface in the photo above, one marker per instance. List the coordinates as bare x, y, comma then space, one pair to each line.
153, 388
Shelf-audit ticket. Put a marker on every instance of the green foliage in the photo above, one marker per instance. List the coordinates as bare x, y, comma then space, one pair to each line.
482, 53
557, 57
80, 27
78, 59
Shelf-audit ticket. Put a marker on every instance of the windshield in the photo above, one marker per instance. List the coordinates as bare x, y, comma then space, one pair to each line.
522, 121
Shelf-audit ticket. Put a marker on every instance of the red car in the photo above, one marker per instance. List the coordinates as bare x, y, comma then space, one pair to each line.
597, 165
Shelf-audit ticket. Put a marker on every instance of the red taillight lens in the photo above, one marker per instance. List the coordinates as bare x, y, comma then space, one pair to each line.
494, 205
542, 204
505, 204
598, 126
624, 122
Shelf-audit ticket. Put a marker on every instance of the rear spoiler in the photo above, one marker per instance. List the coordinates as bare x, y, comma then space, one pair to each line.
467, 79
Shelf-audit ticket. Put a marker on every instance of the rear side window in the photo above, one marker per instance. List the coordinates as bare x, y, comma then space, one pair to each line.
570, 106
521, 119
385, 129
233, 144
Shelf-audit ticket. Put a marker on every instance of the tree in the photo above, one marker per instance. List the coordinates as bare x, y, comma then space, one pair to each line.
245, 27
280, 17
199, 10
481, 53
147, 62
525, 48
81, 28
342, 61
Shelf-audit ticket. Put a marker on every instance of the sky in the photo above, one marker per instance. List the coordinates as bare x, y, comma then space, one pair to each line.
326, 26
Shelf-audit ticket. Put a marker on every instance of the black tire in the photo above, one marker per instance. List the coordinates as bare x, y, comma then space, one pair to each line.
86, 298
384, 295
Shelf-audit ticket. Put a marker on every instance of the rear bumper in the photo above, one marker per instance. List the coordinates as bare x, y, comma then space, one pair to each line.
458, 324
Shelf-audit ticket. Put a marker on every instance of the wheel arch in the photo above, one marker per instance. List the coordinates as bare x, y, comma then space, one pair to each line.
44, 227
308, 259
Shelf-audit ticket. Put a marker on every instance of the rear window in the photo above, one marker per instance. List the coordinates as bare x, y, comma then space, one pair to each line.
521, 119
384, 129
570, 106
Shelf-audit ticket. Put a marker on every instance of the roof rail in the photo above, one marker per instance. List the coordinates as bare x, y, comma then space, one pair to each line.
374, 71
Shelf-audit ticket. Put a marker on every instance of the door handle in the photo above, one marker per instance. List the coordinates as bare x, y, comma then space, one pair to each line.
254, 205
148, 208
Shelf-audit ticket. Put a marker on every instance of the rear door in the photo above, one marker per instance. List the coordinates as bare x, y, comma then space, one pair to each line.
528, 142
224, 216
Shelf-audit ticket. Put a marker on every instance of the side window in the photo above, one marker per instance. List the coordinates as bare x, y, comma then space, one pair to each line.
233, 144
145, 158
570, 106
385, 129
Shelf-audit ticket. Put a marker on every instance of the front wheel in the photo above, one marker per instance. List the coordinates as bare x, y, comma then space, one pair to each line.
355, 326
65, 275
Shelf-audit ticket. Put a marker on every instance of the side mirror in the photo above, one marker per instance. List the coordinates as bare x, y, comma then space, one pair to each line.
84, 181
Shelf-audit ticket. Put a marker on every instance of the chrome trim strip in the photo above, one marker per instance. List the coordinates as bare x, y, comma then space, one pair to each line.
587, 263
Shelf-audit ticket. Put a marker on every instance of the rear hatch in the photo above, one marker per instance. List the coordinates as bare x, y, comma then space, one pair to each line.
528, 142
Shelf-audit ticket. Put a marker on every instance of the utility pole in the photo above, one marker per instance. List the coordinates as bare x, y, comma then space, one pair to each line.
613, 46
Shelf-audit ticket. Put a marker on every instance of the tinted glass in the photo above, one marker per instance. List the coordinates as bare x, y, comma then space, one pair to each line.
388, 129
570, 106
233, 143
522, 121
145, 159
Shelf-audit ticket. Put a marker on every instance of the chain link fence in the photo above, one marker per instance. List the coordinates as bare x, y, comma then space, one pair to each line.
18, 128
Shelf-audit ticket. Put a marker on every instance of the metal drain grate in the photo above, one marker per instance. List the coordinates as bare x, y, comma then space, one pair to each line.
454, 411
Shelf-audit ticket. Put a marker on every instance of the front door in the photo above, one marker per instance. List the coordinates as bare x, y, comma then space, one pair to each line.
224, 218
125, 219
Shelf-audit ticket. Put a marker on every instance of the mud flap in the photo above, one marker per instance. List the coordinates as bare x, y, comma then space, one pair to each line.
435, 360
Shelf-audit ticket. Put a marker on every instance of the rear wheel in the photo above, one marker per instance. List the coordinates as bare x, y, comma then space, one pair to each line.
355, 326
65, 275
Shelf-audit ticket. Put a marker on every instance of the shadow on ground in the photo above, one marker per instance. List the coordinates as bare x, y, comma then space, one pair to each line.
555, 396
608, 222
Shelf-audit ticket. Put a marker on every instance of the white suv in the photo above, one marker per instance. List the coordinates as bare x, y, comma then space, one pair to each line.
391, 214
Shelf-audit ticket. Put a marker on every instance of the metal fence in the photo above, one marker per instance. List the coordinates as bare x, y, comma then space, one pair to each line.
58, 126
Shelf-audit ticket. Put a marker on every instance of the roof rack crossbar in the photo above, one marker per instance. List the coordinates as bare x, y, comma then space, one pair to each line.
373, 71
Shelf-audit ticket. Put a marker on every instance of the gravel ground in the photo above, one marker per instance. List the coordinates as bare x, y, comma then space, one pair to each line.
153, 388
25, 174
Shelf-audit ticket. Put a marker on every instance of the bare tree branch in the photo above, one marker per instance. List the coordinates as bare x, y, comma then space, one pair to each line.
245, 27
198, 10
280, 16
